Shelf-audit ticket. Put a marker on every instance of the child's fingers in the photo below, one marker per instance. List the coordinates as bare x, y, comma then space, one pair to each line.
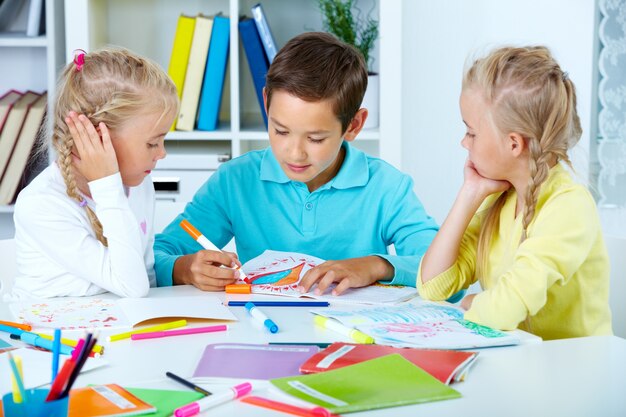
327, 280
90, 130
343, 285
310, 278
106, 137
80, 147
81, 133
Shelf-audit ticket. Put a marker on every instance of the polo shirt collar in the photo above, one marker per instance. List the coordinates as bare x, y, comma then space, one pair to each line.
354, 171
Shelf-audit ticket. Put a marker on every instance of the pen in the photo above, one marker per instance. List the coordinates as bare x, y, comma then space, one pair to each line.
261, 317
19, 393
193, 330
287, 408
56, 349
216, 399
204, 242
164, 326
17, 325
320, 345
281, 303
334, 325
187, 383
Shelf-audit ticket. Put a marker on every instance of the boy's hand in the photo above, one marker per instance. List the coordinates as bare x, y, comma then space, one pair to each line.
349, 273
95, 156
203, 270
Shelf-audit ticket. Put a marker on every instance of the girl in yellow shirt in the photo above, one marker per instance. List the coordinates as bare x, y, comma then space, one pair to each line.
520, 225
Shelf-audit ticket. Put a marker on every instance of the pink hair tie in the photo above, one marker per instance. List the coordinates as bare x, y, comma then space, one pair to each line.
79, 59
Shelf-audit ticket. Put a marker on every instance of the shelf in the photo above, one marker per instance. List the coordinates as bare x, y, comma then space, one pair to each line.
20, 40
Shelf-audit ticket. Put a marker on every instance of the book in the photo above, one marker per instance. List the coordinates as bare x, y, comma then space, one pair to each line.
388, 381
13, 126
106, 400
16, 172
257, 60
279, 273
214, 75
265, 32
445, 365
165, 401
195, 72
6, 103
250, 361
101, 312
36, 18
179, 57
424, 324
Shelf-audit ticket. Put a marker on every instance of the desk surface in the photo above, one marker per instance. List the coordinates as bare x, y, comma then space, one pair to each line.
572, 377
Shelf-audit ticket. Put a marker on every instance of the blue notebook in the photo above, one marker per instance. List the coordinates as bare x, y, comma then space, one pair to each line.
214, 75
257, 60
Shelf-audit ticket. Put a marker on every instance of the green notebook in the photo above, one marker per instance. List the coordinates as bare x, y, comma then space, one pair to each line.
165, 401
388, 381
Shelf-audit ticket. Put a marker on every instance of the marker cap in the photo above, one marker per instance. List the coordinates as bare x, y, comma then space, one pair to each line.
238, 289
242, 389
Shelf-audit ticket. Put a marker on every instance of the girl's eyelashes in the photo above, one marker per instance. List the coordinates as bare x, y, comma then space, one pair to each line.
153, 145
470, 135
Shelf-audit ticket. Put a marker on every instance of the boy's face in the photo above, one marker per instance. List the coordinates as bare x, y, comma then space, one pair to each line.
306, 138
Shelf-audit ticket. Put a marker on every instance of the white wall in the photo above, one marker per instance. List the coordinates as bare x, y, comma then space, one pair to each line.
438, 36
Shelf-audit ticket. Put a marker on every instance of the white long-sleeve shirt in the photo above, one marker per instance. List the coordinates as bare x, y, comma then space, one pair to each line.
57, 250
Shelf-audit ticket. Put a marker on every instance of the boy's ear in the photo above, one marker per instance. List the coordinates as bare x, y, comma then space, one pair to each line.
516, 144
355, 125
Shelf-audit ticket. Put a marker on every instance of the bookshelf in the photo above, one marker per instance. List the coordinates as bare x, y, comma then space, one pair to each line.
31, 63
95, 23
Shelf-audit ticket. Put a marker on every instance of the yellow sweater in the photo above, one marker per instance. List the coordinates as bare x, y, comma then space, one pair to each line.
558, 277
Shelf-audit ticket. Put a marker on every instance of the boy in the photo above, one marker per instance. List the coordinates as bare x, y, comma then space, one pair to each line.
310, 192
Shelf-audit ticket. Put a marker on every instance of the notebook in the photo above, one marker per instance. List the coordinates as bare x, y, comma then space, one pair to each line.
445, 365
279, 273
106, 400
165, 401
424, 324
359, 387
247, 361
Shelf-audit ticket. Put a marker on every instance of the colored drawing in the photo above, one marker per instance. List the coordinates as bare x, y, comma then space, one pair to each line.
285, 277
68, 314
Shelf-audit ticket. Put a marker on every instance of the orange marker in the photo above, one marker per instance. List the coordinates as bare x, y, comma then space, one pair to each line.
238, 289
26, 327
204, 242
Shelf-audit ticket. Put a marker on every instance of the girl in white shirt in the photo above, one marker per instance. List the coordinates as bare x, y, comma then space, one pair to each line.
84, 225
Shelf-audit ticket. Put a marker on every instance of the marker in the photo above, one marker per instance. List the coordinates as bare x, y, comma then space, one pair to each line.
193, 330
36, 340
281, 303
261, 317
56, 349
19, 393
287, 408
216, 399
11, 330
205, 243
187, 383
22, 326
164, 326
71, 342
334, 325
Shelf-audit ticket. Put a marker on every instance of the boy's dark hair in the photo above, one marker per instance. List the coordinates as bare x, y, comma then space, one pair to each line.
316, 66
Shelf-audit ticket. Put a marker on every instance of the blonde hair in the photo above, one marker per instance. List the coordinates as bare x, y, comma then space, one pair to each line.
527, 93
113, 86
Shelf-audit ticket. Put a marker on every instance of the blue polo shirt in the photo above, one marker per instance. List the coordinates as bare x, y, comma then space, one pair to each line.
366, 207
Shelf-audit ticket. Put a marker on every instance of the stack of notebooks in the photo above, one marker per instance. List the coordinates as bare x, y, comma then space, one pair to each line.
21, 118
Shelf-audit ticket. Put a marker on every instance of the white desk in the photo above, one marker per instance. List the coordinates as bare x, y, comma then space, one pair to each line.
574, 377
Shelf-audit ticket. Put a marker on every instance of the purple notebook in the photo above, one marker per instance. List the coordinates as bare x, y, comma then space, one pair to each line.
241, 360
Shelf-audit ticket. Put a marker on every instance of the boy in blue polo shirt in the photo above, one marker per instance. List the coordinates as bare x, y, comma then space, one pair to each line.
310, 191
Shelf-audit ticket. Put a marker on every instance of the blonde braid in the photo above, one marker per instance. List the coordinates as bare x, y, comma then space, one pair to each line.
539, 168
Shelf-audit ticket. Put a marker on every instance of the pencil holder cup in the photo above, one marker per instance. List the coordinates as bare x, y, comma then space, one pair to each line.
35, 405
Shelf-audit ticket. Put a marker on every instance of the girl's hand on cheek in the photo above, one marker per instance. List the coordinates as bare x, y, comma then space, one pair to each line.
480, 185
95, 157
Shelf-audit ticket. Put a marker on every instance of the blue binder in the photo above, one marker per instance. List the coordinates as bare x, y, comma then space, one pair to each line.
257, 60
214, 75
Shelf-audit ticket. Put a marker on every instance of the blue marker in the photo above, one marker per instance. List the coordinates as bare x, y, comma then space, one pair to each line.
36, 340
261, 317
56, 349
